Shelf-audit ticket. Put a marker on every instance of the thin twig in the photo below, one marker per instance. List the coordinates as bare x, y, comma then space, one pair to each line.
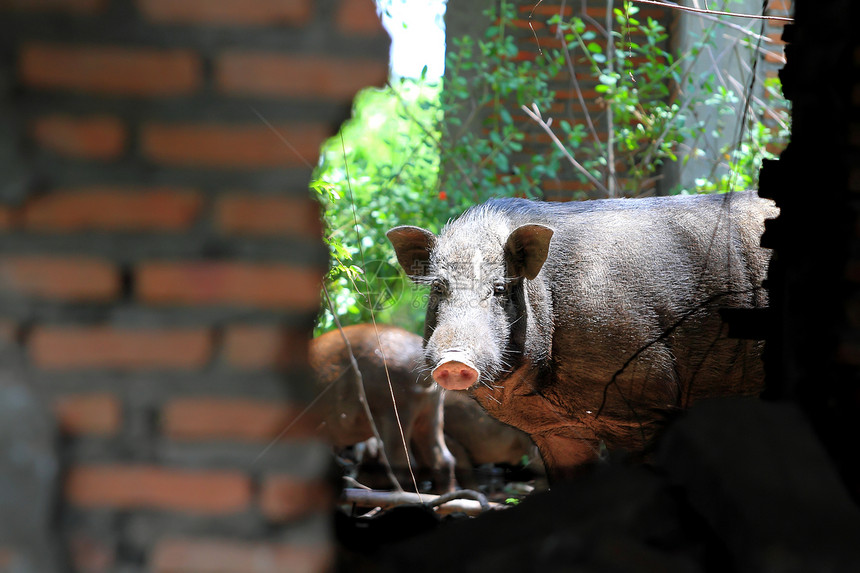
589, 19
610, 127
283, 139
713, 12
362, 395
742, 126
387, 500
571, 69
690, 97
533, 28
732, 25
575, 83
534, 113
376, 330
767, 109
289, 426
461, 494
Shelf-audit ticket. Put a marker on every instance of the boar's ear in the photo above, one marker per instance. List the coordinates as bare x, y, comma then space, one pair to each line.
412, 246
526, 250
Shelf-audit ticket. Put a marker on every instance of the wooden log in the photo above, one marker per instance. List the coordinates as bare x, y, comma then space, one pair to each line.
389, 499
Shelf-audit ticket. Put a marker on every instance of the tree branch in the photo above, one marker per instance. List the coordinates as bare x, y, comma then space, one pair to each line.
534, 113
714, 12
389, 499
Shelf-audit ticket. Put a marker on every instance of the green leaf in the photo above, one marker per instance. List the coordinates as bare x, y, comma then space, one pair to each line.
609, 80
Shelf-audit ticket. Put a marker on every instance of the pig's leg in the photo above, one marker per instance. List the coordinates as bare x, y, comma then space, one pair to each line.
428, 439
566, 454
392, 444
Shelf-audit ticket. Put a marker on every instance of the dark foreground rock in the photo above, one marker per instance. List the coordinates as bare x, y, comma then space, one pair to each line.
758, 475
736, 485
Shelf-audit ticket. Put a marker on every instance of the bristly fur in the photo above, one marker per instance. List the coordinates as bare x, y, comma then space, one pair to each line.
617, 330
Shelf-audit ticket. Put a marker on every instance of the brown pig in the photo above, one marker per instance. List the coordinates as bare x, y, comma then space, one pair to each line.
418, 398
477, 439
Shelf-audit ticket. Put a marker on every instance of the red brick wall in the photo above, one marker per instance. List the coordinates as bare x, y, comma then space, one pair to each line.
159, 265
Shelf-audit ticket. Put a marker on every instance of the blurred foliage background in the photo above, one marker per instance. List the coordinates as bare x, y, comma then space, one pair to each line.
419, 153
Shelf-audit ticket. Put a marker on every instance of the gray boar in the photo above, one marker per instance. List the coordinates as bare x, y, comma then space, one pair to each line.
586, 324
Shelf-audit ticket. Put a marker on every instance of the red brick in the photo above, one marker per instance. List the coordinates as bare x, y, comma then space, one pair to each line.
63, 278
587, 94
110, 69
110, 209
230, 556
97, 137
777, 24
264, 347
233, 146
67, 6
551, 10
243, 73
228, 12
274, 286
358, 17
234, 419
529, 25
242, 214
97, 414
152, 487
71, 348
566, 185
284, 497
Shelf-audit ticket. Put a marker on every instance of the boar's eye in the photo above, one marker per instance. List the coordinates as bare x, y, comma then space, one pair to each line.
500, 287
438, 287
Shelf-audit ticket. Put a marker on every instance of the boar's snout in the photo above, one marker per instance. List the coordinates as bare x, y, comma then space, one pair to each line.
455, 372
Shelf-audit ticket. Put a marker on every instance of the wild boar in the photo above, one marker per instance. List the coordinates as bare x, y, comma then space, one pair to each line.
587, 324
